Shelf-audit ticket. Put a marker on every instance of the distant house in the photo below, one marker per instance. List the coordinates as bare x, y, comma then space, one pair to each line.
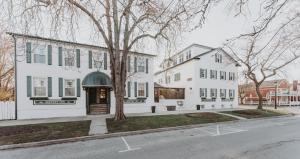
286, 93
198, 77
56, 78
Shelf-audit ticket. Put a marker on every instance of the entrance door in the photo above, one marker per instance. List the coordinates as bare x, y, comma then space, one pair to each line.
102, 95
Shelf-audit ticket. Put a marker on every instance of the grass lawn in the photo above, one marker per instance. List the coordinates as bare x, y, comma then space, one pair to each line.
254, 113
161, 121
41, 132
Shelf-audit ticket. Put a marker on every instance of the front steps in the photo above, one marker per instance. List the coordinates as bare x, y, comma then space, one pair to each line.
98, 109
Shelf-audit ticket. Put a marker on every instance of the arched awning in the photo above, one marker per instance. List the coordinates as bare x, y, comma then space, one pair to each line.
96, 79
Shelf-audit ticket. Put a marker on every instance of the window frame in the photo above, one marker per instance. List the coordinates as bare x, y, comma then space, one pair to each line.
32, 86
37, 48
203, 90
64, 88
204, 73
177, 76
144, 89
221, 91
215, 91
67, 53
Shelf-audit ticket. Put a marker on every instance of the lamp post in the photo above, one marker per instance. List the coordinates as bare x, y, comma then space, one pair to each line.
276, 95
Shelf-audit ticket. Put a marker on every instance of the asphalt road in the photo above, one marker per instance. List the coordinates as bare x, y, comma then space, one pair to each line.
277, 138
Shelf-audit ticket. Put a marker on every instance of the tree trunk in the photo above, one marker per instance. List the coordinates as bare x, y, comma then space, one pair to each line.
119, 96
260, 97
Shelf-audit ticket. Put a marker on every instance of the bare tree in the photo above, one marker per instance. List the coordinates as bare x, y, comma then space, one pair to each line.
122, 24
272, 45
6, 68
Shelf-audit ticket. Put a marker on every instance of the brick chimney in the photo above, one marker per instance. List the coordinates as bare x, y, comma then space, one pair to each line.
295, 85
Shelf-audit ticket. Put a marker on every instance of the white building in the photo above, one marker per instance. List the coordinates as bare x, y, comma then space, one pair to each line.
57, 78
206, 75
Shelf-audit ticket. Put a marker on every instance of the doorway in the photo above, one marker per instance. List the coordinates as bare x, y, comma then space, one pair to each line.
98, 100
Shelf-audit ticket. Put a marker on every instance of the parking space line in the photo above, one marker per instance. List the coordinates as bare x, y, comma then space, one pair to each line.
128, 146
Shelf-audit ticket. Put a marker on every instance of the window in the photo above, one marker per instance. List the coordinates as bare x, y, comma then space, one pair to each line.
39, 87
98, 60
69, 57
203, 73
39, 54
231, 93
213, 93
213, 74
177, 77
231, 76
168, 79
180, 58
223, 93
188, 54
141, 64
160, 80
222, 75
141, 89
69, 88
218, 58
203, 92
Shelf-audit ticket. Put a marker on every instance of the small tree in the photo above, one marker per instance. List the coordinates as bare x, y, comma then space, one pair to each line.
272, 45
121, 24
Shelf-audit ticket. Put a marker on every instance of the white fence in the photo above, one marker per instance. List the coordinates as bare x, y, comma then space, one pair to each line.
7, 110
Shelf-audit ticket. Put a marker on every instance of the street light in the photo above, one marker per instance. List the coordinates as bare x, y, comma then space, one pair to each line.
275, 95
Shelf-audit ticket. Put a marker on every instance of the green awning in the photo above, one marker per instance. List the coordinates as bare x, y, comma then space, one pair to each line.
96, 79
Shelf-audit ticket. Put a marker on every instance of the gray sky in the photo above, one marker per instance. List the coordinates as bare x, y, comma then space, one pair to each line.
219, 26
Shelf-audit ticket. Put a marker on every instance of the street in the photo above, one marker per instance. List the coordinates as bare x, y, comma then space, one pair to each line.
276, 138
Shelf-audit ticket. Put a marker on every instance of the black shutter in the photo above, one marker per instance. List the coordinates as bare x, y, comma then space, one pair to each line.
135, 64
78, 87
105, 61
78, 58
60, 56
90, 59
28, 52
147, 65
49, 54
49, 86
60, 87
29, 86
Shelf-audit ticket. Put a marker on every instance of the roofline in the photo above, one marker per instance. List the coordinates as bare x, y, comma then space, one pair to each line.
194, 44
67, 42
194, 58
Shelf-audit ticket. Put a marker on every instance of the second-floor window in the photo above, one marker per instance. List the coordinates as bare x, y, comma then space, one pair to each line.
141, 65
98, 60
69, 57
222, 75
177, 77
39, 55
39, 87
203, 73
69, 88
213, 74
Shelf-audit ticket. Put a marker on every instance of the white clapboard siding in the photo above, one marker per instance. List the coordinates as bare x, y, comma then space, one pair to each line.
7, 110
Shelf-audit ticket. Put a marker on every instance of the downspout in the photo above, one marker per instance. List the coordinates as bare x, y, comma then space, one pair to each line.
15, 94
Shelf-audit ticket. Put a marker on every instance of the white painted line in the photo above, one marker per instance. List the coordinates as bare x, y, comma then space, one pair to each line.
206, 131
233, 132
218, 129
128, 147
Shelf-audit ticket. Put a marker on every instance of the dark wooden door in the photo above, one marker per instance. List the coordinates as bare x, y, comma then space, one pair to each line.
92, 95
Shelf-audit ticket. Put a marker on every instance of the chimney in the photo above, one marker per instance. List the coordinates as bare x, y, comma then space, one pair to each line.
295, 85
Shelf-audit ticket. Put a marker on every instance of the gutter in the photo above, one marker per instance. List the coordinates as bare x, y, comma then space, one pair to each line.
15, 62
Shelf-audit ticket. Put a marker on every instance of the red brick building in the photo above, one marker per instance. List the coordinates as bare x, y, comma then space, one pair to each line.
248, 94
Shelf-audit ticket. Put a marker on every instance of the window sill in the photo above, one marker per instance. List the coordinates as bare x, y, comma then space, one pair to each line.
38, 98
68, 98
141, 98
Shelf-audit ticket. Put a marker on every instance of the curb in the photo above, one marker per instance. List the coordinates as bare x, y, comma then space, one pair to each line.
120, 134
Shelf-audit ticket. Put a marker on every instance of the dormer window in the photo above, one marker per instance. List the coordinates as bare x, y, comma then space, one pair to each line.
218, 58
180, 58
188, 54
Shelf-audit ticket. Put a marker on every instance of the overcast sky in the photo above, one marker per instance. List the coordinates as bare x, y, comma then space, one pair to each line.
219, 26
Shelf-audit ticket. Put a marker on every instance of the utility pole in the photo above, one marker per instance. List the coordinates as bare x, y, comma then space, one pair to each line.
276, 95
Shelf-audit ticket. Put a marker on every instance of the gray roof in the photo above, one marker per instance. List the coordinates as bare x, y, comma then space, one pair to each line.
67, 42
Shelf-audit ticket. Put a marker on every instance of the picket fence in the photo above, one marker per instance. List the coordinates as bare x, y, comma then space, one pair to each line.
7, 110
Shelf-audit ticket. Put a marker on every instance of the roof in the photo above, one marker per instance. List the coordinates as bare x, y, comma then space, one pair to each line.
197, 57
68, 42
